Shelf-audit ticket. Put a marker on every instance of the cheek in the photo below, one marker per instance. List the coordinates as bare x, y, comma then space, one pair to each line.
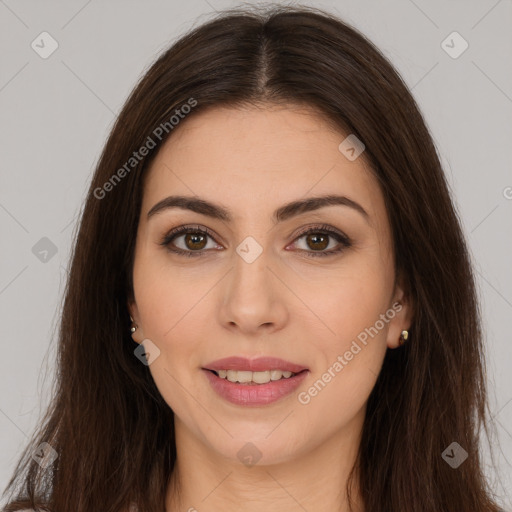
169, 305
347, 298
167, 296
345, 370
350, 350
170, 308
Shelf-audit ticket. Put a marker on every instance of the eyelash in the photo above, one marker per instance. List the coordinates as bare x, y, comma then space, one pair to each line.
323, 230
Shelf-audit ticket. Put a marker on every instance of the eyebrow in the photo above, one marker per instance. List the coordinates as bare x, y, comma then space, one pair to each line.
283, 213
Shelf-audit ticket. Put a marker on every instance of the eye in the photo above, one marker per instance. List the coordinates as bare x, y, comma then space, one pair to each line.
195, 239
317, 238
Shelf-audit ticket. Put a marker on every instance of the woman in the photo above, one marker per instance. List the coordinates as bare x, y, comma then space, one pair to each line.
270, 300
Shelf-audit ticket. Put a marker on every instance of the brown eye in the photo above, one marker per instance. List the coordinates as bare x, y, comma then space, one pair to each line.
317, 239
193, 241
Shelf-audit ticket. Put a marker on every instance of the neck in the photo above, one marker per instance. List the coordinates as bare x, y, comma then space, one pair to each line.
316, 479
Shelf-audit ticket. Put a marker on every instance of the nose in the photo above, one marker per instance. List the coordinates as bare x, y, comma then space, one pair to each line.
253, 296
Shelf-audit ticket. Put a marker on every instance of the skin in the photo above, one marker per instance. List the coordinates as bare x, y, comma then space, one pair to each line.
307, 310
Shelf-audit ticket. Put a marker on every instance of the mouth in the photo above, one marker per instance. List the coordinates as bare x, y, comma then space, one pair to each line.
249, 378
250, 392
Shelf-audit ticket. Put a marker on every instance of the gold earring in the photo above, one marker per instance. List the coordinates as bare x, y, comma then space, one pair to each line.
134, 326
404, 335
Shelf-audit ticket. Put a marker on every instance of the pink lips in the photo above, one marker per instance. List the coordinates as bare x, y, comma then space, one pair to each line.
254, 365
254, 394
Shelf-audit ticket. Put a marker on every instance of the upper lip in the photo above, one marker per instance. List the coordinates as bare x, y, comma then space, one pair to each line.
259, 364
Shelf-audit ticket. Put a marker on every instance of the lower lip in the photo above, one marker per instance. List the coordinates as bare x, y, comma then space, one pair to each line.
253, 395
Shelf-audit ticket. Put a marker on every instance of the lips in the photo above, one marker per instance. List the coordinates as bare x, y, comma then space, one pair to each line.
259, 364
257, 395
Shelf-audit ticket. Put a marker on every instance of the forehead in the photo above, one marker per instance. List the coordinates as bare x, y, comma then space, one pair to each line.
250, 158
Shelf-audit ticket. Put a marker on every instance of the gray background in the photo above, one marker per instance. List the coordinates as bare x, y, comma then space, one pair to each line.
56, 114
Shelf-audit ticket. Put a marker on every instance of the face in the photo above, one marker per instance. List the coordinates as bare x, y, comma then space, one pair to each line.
254, 284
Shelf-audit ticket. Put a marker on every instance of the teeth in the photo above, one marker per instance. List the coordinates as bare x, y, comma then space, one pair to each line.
245, 377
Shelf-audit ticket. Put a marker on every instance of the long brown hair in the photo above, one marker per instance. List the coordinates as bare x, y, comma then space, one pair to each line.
430, 392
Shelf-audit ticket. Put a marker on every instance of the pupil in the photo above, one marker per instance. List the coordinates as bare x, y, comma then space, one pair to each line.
194, 237
315, 240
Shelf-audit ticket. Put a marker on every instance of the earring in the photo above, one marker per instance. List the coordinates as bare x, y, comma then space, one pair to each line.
134, 326
404, 335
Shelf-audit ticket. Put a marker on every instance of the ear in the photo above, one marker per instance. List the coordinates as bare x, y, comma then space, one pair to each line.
138, 335
403, 307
